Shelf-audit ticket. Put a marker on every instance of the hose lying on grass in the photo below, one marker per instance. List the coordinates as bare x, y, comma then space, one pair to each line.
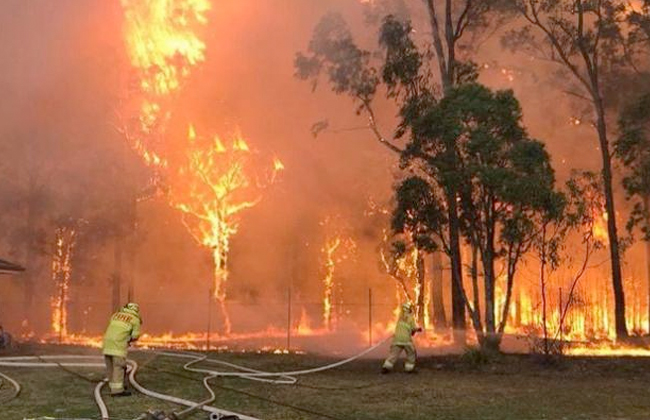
67, 361
287, 378
182, 401
15, 385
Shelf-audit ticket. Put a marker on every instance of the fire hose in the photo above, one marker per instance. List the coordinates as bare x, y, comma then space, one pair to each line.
287, 378
42, 362
15, 385
181, 401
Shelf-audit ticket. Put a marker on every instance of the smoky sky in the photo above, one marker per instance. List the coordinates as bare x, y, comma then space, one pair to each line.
61, 80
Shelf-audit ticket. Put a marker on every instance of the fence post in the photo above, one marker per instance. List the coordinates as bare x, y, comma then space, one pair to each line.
207, 336
370, 317
289, 318
561, 313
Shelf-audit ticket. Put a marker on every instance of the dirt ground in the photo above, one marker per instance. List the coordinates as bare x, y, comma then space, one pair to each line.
512, 387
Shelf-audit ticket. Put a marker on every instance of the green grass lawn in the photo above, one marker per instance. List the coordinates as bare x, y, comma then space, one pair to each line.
509, 387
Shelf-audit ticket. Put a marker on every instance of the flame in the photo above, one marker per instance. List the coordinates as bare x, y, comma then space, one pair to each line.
65, 240
212, 183
338, 247
599, 228
196, 340
191, 133
278, 165
161, 42
240, 144
508, 74
218, 145
405, 270
575, 121
331, 245
163, 48
304, 325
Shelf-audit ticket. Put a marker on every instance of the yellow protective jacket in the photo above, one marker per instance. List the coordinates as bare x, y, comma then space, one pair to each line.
123, 327
404, 330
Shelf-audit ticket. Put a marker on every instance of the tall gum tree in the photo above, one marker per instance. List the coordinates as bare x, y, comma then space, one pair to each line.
633, 149
588, 40
350, 70
473, 141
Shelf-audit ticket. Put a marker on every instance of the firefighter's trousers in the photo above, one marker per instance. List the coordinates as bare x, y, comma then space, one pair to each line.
395, 351
116, 373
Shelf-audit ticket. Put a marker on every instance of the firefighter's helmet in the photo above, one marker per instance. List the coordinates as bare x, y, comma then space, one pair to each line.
407, 307
133, 307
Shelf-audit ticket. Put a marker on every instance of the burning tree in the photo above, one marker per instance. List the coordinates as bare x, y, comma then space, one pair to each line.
593, 45
338, 247
473, 139
211, 187
163, 47
633, 148
213, 181
350, 70
578, 211
404, 262
65, 240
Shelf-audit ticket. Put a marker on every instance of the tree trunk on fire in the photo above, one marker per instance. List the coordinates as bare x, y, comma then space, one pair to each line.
438, 301
617, 278
646, 202
588, 46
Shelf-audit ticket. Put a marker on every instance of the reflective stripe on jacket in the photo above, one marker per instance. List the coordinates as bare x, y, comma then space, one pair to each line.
123, 327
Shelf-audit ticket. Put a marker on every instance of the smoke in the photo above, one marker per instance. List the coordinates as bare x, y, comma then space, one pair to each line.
63, 79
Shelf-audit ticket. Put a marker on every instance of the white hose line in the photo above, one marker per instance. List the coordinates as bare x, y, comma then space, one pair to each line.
176, 400
103, 410
15, 384
284, 379
48, 365
37, 361
253, 374
41, 362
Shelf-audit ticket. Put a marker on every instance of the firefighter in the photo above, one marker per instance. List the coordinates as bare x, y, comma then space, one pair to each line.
123, 329
403, 341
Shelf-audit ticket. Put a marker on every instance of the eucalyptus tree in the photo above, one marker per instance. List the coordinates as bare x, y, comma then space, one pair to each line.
473, 142
591, 43
432, 60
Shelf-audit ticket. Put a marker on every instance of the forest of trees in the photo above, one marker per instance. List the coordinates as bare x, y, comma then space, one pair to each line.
472, 176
